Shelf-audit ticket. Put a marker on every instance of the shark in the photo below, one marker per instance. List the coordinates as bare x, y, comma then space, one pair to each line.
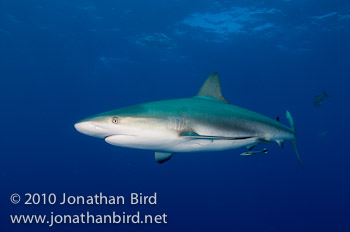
319, 99
205, 122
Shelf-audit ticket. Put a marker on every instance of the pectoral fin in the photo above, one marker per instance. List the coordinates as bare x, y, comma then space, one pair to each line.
162, 157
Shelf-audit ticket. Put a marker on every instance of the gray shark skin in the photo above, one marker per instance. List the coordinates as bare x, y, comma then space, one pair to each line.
206, 122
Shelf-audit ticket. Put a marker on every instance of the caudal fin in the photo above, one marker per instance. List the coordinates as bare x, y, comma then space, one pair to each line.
290, 120
297, 152
292, 125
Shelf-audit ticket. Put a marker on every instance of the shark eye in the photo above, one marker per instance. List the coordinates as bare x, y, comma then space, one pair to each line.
115, 120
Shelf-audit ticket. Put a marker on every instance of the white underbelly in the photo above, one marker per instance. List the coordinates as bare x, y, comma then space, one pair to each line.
175, 144
198, 145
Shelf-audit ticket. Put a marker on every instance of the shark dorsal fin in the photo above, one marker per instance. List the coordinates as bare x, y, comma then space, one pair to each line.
212, 88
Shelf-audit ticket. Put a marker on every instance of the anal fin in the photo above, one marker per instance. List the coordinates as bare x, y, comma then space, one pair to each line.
280, 143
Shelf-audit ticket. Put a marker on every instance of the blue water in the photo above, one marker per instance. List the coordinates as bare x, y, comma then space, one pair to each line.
61, 61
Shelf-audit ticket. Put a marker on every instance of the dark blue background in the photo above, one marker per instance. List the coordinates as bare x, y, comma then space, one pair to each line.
61, 61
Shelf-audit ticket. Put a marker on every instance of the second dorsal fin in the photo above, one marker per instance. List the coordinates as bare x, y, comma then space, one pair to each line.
212, 88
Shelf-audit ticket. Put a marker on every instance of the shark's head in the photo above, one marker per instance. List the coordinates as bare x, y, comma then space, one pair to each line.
131, 121
115, 122
132, 126
100, 126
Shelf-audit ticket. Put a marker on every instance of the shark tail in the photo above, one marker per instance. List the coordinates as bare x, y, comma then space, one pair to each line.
297, 152
290, 120
293, 141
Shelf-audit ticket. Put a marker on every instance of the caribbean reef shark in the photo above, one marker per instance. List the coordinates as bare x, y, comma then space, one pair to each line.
206, 122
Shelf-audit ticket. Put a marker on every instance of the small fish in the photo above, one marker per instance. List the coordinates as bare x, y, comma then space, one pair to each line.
248, 153
318, 100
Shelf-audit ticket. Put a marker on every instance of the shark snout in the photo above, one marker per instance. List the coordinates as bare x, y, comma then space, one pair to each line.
91, 128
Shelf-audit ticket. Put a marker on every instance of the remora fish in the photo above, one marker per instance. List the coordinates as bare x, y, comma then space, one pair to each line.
319, 99
249, 153
206, 122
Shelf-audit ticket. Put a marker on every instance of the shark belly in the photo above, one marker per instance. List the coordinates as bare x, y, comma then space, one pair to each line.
175, 144
157, 140
201, 145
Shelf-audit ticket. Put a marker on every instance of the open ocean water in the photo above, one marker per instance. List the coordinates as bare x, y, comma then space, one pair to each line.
61, 61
